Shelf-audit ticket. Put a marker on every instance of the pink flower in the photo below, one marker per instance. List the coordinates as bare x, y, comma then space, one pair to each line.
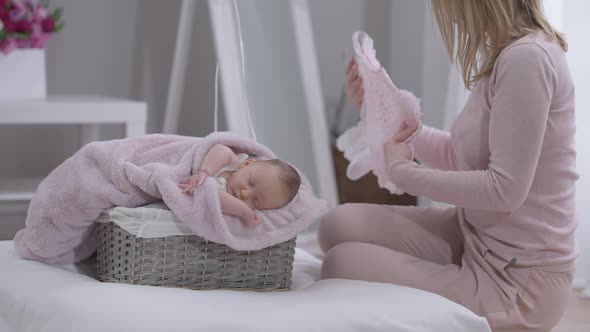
17, 14
41, 13
9, 26
7, 45
39, 41
48, 24
17, 4
24, 26
36, 28
3, 13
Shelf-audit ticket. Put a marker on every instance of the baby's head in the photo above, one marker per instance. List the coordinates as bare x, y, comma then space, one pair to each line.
265, 184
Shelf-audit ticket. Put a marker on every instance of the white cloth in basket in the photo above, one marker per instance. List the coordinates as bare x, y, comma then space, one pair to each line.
149, 221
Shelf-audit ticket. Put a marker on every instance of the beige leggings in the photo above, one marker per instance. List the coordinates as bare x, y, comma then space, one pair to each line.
425, 248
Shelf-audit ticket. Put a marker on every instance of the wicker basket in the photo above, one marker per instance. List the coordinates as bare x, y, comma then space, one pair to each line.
190, 262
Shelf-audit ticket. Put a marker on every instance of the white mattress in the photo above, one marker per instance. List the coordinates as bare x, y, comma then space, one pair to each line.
40, 298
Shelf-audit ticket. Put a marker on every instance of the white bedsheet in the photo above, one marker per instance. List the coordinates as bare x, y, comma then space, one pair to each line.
39, 298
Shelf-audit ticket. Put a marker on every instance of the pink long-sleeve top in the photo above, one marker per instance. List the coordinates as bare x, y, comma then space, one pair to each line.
508, 163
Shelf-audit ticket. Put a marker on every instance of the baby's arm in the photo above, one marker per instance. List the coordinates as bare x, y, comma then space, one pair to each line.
217, 157
237, 208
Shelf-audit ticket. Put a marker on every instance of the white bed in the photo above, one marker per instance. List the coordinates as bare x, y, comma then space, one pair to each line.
40, 298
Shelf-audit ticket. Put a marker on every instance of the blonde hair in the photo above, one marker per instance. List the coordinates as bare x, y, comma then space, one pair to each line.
483, 28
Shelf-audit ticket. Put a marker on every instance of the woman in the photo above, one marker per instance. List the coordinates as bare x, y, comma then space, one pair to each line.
506, 251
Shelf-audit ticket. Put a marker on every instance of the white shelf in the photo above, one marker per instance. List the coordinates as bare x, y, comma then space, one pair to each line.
72, 109
18, 189
87, 111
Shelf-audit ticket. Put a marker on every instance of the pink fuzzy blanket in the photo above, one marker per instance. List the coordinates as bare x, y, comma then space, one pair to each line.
131, 172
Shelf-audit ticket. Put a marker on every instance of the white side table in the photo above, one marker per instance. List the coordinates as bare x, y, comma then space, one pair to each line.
88, 111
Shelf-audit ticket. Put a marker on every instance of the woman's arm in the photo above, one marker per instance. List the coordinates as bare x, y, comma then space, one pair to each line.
524, 87
433, 147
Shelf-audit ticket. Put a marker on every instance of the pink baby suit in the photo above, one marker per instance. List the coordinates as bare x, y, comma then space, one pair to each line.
385, 108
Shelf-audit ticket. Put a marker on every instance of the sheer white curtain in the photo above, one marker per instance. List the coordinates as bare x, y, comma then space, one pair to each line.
570, 17
576, 26
457, 96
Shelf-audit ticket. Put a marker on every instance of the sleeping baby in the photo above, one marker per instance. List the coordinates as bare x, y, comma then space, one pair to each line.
246, 184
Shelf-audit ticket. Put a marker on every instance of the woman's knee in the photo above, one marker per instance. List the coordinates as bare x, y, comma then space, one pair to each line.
335, 227
338, 262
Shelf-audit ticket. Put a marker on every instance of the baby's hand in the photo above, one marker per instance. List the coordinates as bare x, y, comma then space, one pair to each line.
189, 185
250, 217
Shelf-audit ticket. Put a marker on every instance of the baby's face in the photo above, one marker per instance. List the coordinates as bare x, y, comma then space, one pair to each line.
258, 185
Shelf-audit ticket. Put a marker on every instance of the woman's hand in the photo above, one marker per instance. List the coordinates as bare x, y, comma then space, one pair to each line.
250, 218
189, 185
354, 84
396, 147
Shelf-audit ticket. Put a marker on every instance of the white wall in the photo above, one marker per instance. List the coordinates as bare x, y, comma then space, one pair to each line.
333, 38
152, 60
436, 79
273, 83
576, 26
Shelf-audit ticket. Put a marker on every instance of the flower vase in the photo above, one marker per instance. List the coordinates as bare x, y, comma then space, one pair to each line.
22, 75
